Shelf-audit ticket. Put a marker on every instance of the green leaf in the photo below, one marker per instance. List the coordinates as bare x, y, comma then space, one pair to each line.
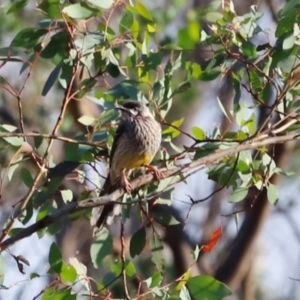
113, 70
238, 195
182, 88
49, 190
269, 164
222, 108
196, 253
17, 6
250, 123
51, 9
64, 168
55, 259
285, 25
86, 86
213, 16
198, 133
172, 129
11, 53
13, 167
79, 11
171, 47
81, 271
68, 273
209, 75
87, 120
135, 29
104, 28
124, 90
151, 61
157, 248
66, 73
272, 193
34, 275
206, 150
141, 10
53, 228
184, 278
51, 79
165, 218
255, 79
53, 293
184, 40
194, 69
26, 177
57, 45
126, 21
28, 213
116, 267
110, 279
130, 269
67, 195
28, 62
151, 27
7, 128
289, 8
189, 36
105, 4
266, 92
99, 62
289, 42
137, 242
14, 231
207, 288
184, 294
28, 38
90, 40
14, 140
155, 279
101, 247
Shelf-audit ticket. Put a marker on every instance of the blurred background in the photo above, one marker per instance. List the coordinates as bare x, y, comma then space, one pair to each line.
269, 257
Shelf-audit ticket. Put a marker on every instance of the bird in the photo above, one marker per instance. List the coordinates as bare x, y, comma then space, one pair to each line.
136, 142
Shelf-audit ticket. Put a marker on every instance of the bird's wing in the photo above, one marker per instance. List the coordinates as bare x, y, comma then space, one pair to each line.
104, 215
120, 130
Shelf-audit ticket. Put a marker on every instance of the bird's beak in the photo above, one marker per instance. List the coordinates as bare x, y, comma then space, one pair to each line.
120, 107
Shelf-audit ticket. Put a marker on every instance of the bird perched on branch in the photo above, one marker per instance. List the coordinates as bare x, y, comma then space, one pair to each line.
136, 141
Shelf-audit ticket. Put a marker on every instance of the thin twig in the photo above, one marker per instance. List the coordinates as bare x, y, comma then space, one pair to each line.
123, 259
54, 137
142, 181
43, 166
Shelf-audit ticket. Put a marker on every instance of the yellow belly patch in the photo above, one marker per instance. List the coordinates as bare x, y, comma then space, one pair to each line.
138, 161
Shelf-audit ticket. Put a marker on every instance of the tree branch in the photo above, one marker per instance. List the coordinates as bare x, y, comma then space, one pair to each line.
142, 181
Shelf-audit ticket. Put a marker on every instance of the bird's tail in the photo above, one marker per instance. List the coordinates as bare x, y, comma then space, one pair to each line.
108, 211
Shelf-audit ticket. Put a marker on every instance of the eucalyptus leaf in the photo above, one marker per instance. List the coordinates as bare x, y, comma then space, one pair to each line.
101, 247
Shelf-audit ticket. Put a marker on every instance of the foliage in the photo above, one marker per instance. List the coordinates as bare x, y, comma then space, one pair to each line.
116, 63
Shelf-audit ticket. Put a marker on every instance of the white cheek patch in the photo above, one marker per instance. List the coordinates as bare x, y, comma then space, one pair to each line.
133, 112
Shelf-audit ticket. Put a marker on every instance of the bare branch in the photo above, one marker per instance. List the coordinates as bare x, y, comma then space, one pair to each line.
142, 181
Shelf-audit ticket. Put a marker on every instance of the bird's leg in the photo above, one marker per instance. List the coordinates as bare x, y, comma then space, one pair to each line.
125, 183
157, 174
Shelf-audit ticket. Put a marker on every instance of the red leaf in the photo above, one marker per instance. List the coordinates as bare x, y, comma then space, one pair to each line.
214, 238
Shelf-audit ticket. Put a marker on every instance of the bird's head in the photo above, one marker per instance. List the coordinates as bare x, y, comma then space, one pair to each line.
134, 109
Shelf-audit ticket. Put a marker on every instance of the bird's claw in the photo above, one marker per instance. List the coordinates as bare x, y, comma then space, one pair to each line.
127, 186
157, 173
